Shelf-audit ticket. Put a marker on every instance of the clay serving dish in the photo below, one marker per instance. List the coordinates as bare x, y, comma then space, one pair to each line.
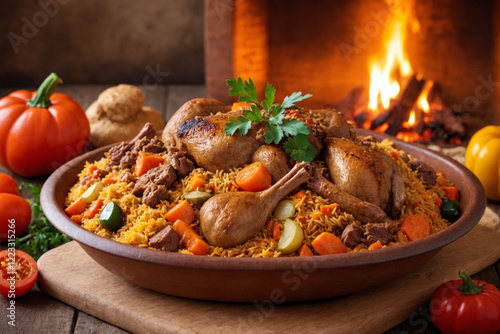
264, 279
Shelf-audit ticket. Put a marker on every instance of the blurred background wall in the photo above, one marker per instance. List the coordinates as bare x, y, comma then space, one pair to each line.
101, 41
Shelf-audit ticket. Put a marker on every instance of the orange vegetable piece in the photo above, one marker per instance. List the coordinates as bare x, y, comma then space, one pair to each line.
147, 161
241, 106
77, 219
300, 194
394, 154
94, 209
76, 208
196, 182
190, 239
327, 243
315, 216
375, 245
452, 193
329, 209
254, 177
415, 227
276, 232
439, 202
304, 250
110, 179
182, 211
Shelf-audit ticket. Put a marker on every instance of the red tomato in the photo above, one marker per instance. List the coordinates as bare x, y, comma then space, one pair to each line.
8, 184
466, 306
15, 216
18, 273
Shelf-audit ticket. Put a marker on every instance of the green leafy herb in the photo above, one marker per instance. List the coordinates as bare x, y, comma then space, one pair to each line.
297, 144
41, 235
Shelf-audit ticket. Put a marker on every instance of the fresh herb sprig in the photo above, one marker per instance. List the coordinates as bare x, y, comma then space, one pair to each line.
295, 131
41, 236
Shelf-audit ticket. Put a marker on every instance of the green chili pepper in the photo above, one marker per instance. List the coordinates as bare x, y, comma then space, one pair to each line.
450, 210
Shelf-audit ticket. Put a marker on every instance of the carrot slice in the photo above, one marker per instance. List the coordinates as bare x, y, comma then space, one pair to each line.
147, 161
328, 209
451, 193
190, 239
276, 232
77, 219
304, 250
182, 211
327, 243
241, 106
439, 202
76, 208
415, 227
94, 209
195, 182
375, 245
300, 194
254, 177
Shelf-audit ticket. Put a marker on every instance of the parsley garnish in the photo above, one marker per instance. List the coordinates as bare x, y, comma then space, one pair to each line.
295, 131
41, 235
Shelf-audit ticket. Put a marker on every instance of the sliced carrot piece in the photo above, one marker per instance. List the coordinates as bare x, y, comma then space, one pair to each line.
94, 209
304, 250
190, 239
196, 182
329, 209
300, 194
452, 193
327, 243
254, 177
415, 227
375, 245
76, 208
276, 232
241, 106
439, 202
183, 211
77, 219
147, 161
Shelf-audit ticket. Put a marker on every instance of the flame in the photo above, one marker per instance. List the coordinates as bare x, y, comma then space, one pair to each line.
394, 66
412, 118
423, 99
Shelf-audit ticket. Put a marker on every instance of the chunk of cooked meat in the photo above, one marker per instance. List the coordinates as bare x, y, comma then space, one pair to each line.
231, 218
162, 175
361, 210
166, 240
177, 159
205, 142
274, 159
424, 171
369, 175
333, 123
382, 232
188, 111
351, 236
154, 194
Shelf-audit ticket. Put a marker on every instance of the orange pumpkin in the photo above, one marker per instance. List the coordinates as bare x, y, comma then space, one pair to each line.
39, 131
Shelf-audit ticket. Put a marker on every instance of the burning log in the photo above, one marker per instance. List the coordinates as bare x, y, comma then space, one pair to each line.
400, 111
444, 115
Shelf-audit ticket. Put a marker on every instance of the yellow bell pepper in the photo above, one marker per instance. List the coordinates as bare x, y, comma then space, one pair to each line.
483, 159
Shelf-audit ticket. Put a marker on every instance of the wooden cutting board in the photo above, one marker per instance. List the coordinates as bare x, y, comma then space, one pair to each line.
70, 275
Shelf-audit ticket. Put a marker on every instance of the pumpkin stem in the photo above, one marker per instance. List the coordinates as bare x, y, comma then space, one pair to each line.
468, 287
42, 96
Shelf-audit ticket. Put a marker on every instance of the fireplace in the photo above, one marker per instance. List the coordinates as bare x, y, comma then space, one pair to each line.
327, 48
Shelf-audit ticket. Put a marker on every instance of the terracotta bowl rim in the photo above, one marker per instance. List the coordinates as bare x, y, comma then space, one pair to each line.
474, 209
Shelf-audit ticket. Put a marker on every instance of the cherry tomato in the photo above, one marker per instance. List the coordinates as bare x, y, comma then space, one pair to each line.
8, 184
15, 216
18, 273
466, 306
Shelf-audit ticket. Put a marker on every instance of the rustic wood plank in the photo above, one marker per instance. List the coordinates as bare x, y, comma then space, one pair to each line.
87, 324
37, 312
179, 94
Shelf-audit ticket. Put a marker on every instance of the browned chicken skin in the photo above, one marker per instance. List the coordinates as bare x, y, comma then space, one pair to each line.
274, 159
369, 175
189, 111
205, 141
363, 211
231, 218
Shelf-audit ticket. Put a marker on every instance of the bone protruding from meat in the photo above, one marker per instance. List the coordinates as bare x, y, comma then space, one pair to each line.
231, 218
361, 210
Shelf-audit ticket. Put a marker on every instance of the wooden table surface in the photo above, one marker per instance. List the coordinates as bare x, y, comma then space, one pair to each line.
39, 313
